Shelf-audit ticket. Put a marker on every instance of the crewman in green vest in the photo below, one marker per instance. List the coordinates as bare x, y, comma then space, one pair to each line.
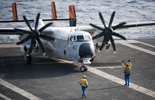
127, 69
84, 84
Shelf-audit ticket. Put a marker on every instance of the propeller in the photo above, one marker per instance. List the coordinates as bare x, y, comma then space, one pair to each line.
34, 34
107, 32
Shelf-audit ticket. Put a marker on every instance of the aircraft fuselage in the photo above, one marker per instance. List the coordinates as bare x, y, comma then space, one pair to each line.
69, 44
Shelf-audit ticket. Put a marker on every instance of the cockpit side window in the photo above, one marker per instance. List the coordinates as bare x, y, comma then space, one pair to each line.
87, 37
71, 39
74, 38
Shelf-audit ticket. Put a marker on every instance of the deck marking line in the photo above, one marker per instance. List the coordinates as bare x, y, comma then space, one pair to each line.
109, 67
121, 81
18, 90
136, 47
134, 41
8, 46
4, 97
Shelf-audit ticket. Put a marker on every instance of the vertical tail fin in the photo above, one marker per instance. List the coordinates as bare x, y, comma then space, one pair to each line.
54, 15
72, 14
14, 11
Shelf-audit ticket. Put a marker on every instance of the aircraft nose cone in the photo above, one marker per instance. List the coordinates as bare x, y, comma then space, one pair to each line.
86, 50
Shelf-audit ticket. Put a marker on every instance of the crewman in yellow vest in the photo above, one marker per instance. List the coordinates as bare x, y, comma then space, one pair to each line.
127, 72
84, 84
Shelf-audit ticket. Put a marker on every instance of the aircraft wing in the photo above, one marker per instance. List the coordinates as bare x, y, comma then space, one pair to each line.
87, 28
135, 25
126, 26
9, 31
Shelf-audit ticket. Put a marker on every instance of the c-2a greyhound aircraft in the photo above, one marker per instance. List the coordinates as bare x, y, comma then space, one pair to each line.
74, 43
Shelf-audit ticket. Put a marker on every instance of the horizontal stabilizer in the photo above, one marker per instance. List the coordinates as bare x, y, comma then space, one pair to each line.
54, 15
10, 21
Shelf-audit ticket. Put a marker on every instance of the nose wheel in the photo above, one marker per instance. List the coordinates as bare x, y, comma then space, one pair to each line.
83, 68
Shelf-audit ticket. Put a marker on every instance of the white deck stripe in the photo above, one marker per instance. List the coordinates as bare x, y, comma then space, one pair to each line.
134, 41
4, 97
110, 67
18, 90
8, 45
121, 81
136, 47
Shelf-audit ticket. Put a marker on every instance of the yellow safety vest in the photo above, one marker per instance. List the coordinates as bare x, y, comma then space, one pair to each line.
83, 82
126, 70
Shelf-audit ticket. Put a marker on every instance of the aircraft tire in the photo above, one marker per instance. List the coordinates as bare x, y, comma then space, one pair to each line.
83, 68
28, 59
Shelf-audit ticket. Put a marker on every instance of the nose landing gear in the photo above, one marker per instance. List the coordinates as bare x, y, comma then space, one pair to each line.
85, 61
83, 68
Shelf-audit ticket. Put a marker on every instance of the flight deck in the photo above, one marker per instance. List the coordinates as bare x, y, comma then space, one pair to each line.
55, 79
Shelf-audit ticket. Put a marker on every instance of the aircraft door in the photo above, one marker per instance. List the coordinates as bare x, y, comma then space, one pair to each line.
64, 47
70, 48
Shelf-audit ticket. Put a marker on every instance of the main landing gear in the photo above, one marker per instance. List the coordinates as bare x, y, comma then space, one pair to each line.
27, 59
83, 68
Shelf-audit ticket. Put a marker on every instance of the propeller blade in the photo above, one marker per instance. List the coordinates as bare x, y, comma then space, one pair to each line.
28, 24
96, 27
119, 25
47, 37
113, 43
23, 31
111, 19
37, 20
41, 45
103, 42
44, 27
102, 19
32, 44
24, 40
98, 36
118, 35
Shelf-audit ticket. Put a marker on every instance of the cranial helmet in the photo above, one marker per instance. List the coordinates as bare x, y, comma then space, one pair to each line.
127, 64
84, 76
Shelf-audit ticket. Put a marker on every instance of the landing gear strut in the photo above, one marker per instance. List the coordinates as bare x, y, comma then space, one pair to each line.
83, 68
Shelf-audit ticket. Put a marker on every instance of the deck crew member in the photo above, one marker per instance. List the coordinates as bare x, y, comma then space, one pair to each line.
84, 84
127, 69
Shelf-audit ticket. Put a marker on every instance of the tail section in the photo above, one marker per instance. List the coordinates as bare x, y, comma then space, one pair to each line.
14, 11
54, 15
72, 14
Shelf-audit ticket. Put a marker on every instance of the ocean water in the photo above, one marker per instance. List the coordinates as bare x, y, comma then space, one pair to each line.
130, 11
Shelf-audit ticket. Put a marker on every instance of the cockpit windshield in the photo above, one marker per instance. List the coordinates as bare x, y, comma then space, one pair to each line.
80, 38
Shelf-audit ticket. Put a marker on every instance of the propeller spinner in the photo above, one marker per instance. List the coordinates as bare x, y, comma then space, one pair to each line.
107, 32
34, 34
